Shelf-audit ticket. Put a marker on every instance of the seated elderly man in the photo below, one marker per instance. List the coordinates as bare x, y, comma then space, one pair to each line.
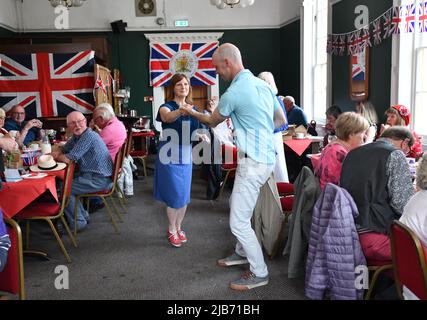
294, 113
378, 178
28, 130
88, 150
111, 130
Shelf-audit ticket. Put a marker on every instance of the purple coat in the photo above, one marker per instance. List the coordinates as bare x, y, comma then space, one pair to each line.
334, 247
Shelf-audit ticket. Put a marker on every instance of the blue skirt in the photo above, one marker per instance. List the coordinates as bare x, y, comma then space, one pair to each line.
172, 182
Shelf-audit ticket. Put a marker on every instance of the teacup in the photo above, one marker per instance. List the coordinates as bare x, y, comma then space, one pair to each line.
13, 133
300, 135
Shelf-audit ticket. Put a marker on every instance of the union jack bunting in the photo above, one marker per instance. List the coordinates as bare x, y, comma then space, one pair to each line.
396, 20
422, 18
409, 21
329, 44
387, 23
377, 32
48, 84
192, 59
342, 44
335, 45
350, 44
365, 40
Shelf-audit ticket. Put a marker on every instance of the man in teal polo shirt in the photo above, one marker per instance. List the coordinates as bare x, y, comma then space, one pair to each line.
255, 112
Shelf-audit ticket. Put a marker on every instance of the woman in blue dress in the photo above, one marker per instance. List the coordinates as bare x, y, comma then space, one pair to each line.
174, 164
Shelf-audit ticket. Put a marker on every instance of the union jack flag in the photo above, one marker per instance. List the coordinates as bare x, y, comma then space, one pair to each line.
422, 19
396, 20
409, 20
47, 84
358, 66
377, 32
192, 59
387, 23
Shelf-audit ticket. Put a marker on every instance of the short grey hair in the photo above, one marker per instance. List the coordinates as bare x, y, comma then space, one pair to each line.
422, 173
104, 113
107, 106
290, 99
269, 78
2, 113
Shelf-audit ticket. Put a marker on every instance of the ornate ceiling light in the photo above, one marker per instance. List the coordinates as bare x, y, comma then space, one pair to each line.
222, 4
67, 3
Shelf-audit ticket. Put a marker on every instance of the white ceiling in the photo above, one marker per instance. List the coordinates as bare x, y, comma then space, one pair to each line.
96, 15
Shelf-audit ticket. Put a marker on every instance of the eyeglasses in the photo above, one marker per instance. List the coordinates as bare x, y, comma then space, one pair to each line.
19, 113
74, 123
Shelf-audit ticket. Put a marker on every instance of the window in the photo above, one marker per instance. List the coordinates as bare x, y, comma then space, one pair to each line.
315, 59
420, 106
409, 72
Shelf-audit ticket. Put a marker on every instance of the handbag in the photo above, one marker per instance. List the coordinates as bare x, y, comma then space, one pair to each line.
311, 129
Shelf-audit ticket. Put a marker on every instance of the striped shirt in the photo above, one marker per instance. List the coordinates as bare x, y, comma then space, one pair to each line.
90, 153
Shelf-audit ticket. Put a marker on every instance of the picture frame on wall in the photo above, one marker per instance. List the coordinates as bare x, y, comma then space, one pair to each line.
359, 75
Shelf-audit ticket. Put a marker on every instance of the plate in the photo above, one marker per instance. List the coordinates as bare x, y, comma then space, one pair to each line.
34, 176
297, 138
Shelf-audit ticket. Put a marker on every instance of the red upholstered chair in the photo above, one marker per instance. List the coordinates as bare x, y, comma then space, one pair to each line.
228, 165
12, 276
106, 194
286, 193
141, 155
49, 212
409, 260
376, 267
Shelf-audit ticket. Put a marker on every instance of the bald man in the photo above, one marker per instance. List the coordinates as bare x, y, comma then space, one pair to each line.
87, 149
255, 112
29, 130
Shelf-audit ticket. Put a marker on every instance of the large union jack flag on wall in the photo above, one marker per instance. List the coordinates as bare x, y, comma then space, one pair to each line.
192, 59
48, 84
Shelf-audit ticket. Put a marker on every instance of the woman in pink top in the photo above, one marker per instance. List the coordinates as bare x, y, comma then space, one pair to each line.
350, 129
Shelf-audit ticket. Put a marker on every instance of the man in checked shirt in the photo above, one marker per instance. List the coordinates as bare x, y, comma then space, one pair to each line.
90, 153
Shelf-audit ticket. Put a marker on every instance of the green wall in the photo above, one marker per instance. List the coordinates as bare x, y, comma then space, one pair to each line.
5, 32
290, 61
380, 57
260, 51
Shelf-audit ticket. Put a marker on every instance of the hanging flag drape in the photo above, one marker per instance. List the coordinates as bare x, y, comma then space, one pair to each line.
192, 59
408, 18
48, 84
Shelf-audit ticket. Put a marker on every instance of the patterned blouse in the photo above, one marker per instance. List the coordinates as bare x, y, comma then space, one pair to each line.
330, 164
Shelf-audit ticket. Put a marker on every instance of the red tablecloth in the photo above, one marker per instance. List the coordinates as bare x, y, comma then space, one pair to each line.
298, 146
15, 196
60, 174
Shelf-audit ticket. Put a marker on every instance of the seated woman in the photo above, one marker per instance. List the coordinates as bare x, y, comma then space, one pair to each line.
399, 115
350, 130
367, 110
414, 215
332, 115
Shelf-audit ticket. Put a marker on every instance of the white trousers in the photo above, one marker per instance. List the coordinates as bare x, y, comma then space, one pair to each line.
250, 177
280, 169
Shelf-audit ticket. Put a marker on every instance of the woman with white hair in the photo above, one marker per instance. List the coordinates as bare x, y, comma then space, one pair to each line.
415, 214
280, 169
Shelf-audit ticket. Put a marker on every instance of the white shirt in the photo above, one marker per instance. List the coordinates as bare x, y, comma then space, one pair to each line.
415, 217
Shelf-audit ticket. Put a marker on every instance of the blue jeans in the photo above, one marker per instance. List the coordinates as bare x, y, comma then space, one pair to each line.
84, 183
